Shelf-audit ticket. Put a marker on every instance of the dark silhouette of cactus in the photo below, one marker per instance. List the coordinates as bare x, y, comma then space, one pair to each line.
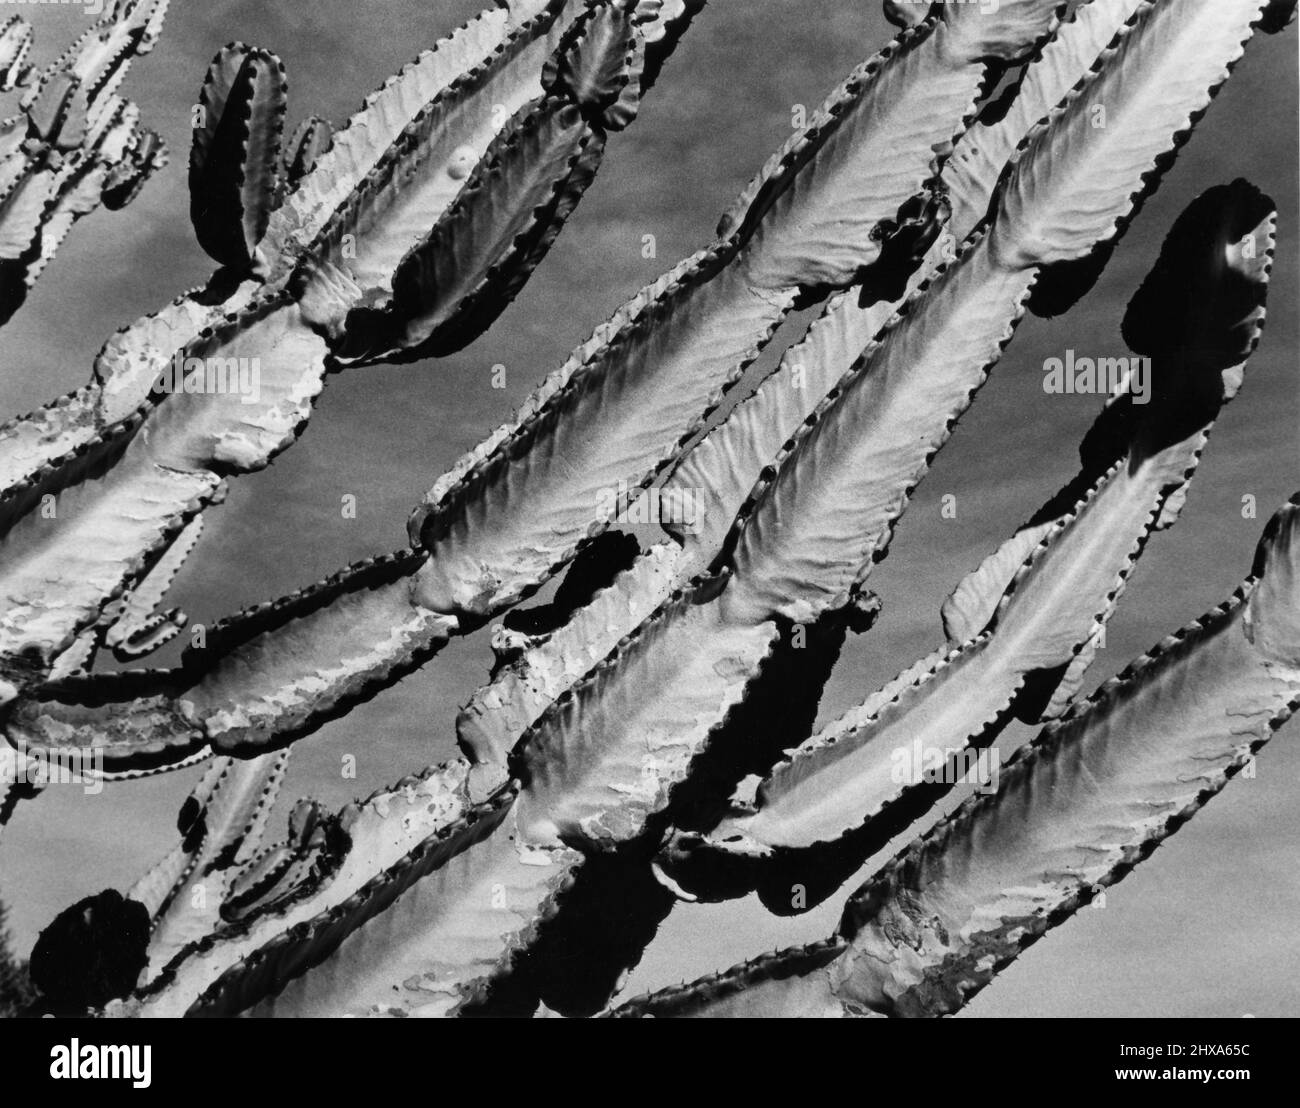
647, 734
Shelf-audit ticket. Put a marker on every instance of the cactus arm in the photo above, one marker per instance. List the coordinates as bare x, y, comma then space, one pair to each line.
451, 287
130, 363
389, 212
585, 430
801, 233
79, 657
1151, 95
288, 681
71, 113
139, 735
357, 147
499, 713
980, 288
164, 477
1027, 24
160, 881
196, 432
236, 151
726, 460
722, 465
53, 193
132, 360
388, 843
116, 149
1076, 810
15, 47
139, 628
100, 58
831, 154
242, 428
849, 770
109, 531
221, 825
464, 922
263, 678
869, 444
973, 603
1201, 326
1091, 797
453, 283
388, 215
868, 447
28, 442
982, 153
41, 452
21, 209
1207, 293
601, 760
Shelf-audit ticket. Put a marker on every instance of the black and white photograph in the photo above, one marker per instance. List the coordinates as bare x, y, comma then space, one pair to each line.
623, 509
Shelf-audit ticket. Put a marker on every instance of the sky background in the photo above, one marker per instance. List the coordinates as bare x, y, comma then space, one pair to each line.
1206, 927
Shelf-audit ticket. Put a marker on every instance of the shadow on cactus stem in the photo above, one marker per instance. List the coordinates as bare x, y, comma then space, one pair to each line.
607, 918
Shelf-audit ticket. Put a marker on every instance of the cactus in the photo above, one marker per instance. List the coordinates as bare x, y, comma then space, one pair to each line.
648, 735
73, 145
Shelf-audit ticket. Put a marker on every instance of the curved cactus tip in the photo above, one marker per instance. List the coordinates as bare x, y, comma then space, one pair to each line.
235, 157
597, 64
91, 953
1273, 616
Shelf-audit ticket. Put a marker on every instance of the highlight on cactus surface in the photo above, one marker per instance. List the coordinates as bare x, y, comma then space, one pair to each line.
628, 721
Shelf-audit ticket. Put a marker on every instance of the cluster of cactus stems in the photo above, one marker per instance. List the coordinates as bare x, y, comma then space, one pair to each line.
73, 145
645, 736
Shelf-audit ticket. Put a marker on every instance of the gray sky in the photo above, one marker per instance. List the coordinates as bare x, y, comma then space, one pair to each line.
1206, 927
